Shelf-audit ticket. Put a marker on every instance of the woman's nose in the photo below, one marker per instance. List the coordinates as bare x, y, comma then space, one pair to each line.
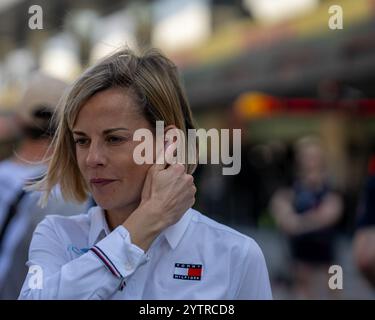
96, 155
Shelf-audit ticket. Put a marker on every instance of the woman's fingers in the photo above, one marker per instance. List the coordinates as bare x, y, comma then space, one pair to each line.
170, 191
158, 166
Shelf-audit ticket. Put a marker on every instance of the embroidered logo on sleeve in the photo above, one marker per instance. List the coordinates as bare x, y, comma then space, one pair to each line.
77, 250
186, 271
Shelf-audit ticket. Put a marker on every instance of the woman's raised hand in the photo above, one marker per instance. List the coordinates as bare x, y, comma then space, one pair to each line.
168, 192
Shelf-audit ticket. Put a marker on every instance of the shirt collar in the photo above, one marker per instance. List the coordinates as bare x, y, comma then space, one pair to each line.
98, 225
173, 234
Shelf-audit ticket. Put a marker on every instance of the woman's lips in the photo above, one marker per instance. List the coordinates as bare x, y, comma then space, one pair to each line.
101, 182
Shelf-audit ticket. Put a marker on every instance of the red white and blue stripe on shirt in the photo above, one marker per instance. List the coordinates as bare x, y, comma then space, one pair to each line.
107, 262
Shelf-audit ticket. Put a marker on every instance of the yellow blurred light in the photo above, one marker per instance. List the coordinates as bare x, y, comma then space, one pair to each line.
254, 104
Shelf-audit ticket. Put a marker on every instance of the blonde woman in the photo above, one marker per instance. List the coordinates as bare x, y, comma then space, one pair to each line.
143, 240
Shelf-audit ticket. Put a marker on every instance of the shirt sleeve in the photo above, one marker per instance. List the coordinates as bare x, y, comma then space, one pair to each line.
254, 282
97, 274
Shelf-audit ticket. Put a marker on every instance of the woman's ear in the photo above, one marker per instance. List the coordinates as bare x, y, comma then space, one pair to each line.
169, 127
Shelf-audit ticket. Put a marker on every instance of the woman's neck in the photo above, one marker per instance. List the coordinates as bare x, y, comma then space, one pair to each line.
116, 217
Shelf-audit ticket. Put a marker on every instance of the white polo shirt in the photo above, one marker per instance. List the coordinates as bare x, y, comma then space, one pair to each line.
197, 258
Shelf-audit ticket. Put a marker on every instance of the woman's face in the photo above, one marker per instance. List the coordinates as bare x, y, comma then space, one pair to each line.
311, 158
103, 134
311, 165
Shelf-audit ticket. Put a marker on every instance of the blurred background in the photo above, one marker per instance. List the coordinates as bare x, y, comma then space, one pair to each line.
273, 68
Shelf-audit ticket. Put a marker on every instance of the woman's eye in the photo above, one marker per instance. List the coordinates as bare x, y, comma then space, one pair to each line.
81, 141
115, 140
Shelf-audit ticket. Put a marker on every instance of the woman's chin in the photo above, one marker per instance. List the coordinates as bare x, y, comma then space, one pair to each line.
106, 205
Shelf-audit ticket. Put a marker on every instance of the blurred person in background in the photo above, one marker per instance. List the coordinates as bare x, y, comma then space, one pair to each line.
307, 213
19, 212
8, 135
364, 238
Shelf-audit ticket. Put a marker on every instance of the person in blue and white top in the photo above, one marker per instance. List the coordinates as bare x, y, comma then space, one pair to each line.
143, 240
19, 212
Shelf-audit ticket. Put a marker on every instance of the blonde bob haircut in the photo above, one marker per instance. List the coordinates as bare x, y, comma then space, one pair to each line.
153, 81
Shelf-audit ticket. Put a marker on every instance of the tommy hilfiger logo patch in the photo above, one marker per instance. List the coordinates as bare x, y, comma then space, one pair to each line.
186, 271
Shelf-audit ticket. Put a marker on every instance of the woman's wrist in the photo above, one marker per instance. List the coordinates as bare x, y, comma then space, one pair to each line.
142, 226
